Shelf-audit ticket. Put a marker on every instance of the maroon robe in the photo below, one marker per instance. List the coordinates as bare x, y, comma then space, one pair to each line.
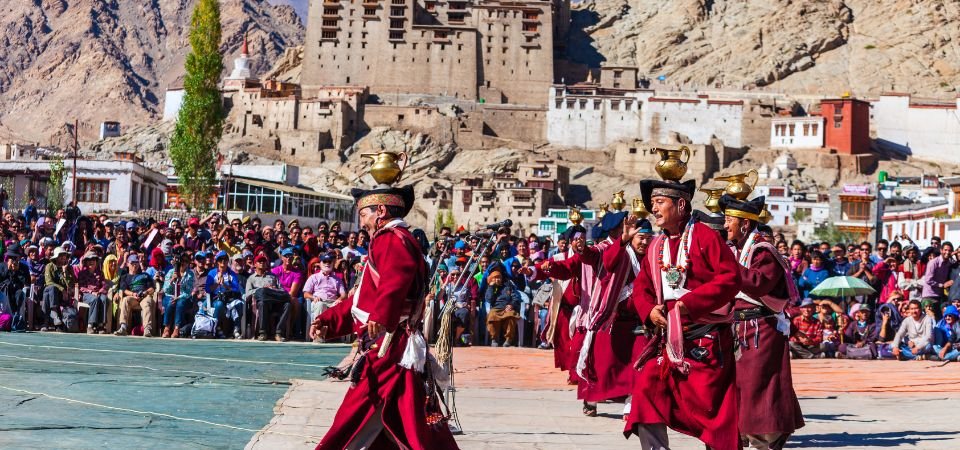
567, 348
615, 349
399, 393
702, 404
768, 403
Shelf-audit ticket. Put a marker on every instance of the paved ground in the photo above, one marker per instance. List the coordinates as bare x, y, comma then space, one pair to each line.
514, 399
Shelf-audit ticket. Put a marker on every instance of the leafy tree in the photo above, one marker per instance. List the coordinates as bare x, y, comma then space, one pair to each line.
193, 147
450, 221
56, 184
831, 233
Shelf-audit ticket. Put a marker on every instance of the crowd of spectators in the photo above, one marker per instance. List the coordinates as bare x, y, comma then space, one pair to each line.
241, 278
912, 315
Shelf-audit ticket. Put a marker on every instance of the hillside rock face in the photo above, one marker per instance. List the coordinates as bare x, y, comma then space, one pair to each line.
98, 60
824, 46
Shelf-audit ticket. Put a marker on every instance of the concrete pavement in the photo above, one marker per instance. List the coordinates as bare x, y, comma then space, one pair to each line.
514, 399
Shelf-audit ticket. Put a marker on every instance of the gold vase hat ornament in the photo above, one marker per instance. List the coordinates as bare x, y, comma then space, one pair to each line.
604, 209
737, 186
765, 216
575, 217
387, 166
671, 167
712, 202
618, 201
639, 209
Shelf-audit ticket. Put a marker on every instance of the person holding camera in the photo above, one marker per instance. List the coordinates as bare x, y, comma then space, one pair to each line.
223, 287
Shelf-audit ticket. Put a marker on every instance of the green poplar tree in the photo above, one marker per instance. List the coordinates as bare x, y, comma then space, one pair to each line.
56, 185
193, 147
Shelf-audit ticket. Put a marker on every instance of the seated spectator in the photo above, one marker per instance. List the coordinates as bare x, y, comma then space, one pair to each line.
504, 300
813, 275
290, 276
93, 291
829, 322
14, 280
859, 336
136, 289
947, 335
59, 279
178, 287
807, 332
914, 339
323, 290
223, 287
464, 295
265, 289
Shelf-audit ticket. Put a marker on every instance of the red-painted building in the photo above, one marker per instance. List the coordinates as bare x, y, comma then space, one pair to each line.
847, 125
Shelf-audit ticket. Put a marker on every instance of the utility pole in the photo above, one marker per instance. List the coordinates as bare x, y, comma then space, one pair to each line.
76, 148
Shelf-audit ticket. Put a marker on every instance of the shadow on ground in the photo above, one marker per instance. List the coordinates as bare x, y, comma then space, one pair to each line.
855, 440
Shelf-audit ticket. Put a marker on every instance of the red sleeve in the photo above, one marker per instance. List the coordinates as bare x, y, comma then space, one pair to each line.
561, 270
338, 320
591, 255
398, 271
718, 266
644, 296
763, 275
613, 255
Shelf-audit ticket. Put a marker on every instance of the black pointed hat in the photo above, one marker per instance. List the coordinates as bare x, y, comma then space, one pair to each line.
668, 188
749, 209
401, 197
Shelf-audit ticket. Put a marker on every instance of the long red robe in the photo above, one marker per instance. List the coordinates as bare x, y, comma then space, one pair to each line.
768, 403
567, 348
702, 404
397, 392
614, 350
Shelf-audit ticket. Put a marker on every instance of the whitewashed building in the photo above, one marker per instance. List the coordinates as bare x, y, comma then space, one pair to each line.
796, 132
119, 185
557, 221
779, 200
928, 130
589, 116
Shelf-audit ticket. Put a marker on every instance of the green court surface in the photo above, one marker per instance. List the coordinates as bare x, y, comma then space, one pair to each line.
79, 391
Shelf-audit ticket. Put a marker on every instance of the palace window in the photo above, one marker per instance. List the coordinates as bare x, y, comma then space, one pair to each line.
855, 210
93, 191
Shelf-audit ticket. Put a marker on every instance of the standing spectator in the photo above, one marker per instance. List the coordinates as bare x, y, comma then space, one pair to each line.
813, 275
914, 339
936, 278
935, 242
881, 254
896, 250
30, 214
947, 335
863, 269
841, 265
910, 277
807, 332
136, 289
93, 289
798, 259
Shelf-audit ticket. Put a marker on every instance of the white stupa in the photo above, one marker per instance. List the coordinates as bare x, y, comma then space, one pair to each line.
241, 76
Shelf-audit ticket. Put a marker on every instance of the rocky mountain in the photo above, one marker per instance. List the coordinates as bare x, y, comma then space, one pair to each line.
97, 60
801, 46
298, 5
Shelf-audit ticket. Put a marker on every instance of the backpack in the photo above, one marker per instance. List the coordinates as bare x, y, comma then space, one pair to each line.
204, 326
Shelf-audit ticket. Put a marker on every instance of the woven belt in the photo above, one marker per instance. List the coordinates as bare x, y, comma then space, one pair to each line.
759, 312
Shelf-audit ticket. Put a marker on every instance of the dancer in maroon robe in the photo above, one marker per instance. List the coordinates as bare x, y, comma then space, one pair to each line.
558, 331
580, 270
685, 293
610, 345
387, 405
769, 409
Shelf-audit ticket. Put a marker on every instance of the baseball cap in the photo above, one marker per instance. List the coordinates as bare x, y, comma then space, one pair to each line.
193, 222
220, 255
261, 257
200, 255
131, 225
327, 257
806, 302
287, 252
133, 258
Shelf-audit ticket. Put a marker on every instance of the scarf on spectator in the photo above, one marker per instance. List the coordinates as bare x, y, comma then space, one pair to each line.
157, 259
895, 317
950, 333
110, 275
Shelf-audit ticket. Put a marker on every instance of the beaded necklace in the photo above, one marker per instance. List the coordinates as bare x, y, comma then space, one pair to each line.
674, 273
